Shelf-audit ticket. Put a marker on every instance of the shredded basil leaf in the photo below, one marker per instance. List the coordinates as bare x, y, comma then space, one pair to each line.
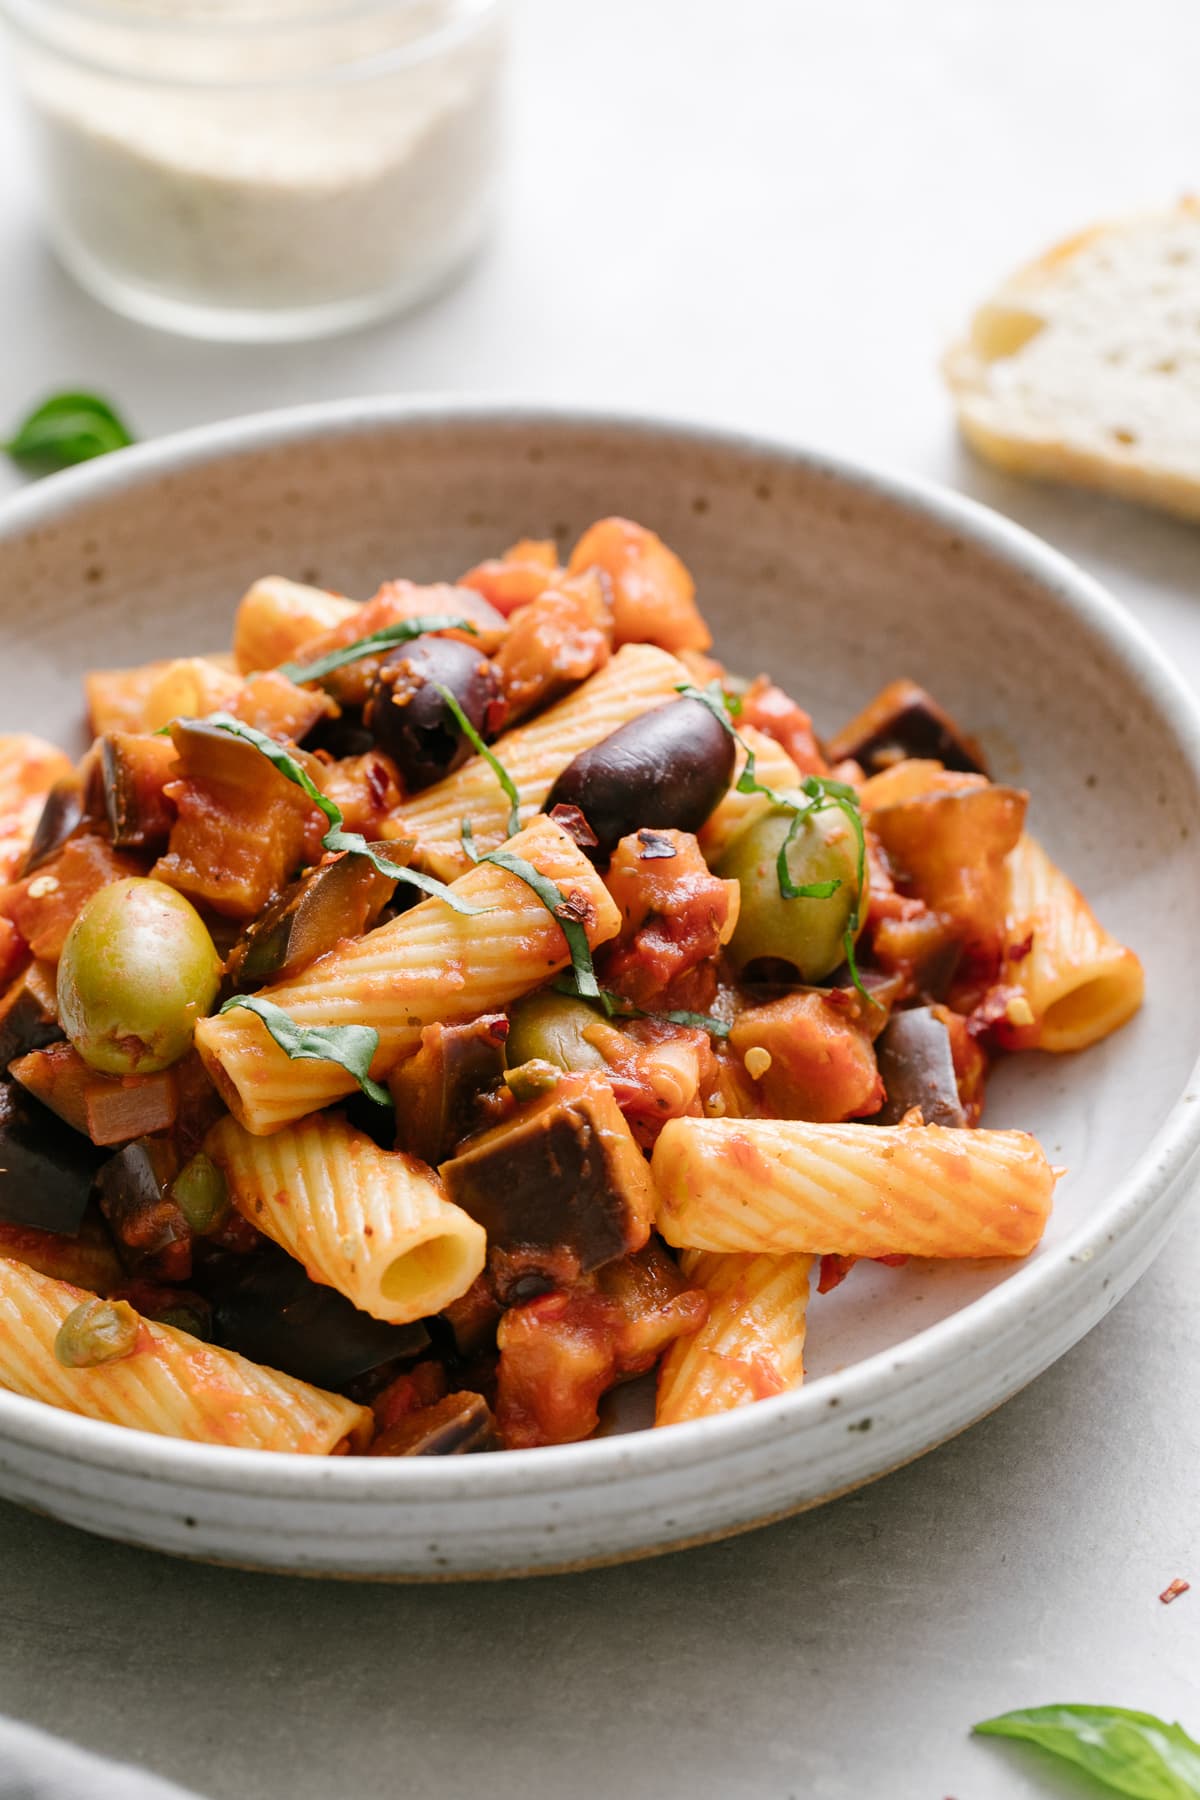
820, 793
480, 748
556, 904
335, 838
386, 638
614, 1006
1131, 1753
68, 429
351, 1047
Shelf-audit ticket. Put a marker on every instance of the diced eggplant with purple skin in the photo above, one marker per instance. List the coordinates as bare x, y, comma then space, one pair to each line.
151, 1232
343, 899
917, 1065
904, 721
457, 1425
29, 1014
266, 1308
436, 1092
61, 815
135, 768
46, 1170
560, 1187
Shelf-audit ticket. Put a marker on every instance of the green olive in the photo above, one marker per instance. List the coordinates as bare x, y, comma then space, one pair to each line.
808, 932
138, 970
549, 1027
97, 1331
201, 1194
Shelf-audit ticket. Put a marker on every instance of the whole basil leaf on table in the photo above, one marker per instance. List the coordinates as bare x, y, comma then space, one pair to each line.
67, 429
1131, 1753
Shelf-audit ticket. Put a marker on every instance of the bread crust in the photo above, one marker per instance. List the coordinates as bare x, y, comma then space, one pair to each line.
1084, 366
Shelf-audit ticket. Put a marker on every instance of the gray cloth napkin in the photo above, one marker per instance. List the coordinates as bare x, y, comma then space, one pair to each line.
36, 1767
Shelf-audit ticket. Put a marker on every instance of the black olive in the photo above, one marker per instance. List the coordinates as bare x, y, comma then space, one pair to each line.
666, 769
409, 719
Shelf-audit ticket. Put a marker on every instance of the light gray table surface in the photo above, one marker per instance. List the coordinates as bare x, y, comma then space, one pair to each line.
771, 214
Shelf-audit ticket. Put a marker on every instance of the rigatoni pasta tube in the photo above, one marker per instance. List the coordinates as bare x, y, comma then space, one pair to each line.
170, 1383
277, 617
773, 767
852, 1190
752, 1343
430, 964
374, 1224
638, 678
1080, 983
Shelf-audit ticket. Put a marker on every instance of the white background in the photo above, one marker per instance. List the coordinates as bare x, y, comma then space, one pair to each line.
772, 214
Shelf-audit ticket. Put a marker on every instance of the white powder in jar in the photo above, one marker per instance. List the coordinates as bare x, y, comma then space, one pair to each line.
277, 166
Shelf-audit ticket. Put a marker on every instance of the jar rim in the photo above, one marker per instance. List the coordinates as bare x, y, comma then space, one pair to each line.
29, 18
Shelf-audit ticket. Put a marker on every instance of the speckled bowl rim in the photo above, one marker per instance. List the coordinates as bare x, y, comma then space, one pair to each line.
1155, 1182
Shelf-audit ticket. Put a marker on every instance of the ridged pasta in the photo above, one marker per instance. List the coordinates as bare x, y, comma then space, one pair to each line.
752, 1343
638, 678
171, 1383
780, 1185
772, 766
430, 964
276, 617
1081, 984
374, 1224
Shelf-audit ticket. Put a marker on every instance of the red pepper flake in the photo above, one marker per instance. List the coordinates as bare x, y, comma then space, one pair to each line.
575, 907
575, 826
1173, 1591
1018, 952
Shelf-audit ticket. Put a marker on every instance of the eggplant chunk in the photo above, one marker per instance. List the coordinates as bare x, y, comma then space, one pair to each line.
457, 1425
436, 1090
46, 1172
61, 816
560, 1187
902, 721
667, 768
29, 1014
266, 1308
152, 1234
136, 768
340, 900
917, 1066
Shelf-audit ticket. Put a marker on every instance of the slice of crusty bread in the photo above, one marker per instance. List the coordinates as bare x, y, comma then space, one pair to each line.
1085, 366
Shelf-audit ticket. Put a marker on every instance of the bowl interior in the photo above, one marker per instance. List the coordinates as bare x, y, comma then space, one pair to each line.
830, 583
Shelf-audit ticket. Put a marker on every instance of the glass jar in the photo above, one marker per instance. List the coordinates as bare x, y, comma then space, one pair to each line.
262, 169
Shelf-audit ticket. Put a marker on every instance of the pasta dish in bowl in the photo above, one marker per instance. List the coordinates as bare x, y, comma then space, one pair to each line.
430, 1013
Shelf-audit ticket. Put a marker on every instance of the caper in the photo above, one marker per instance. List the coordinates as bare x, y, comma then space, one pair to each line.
95, 1332
552, 1028
808, 932
138, 970
201, 1194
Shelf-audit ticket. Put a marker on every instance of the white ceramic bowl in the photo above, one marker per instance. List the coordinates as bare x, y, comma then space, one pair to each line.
834, 580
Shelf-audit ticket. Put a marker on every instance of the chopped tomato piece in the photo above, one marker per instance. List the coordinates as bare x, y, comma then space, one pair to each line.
559, 639
518, 577
676, 914
654, 596
770, 710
